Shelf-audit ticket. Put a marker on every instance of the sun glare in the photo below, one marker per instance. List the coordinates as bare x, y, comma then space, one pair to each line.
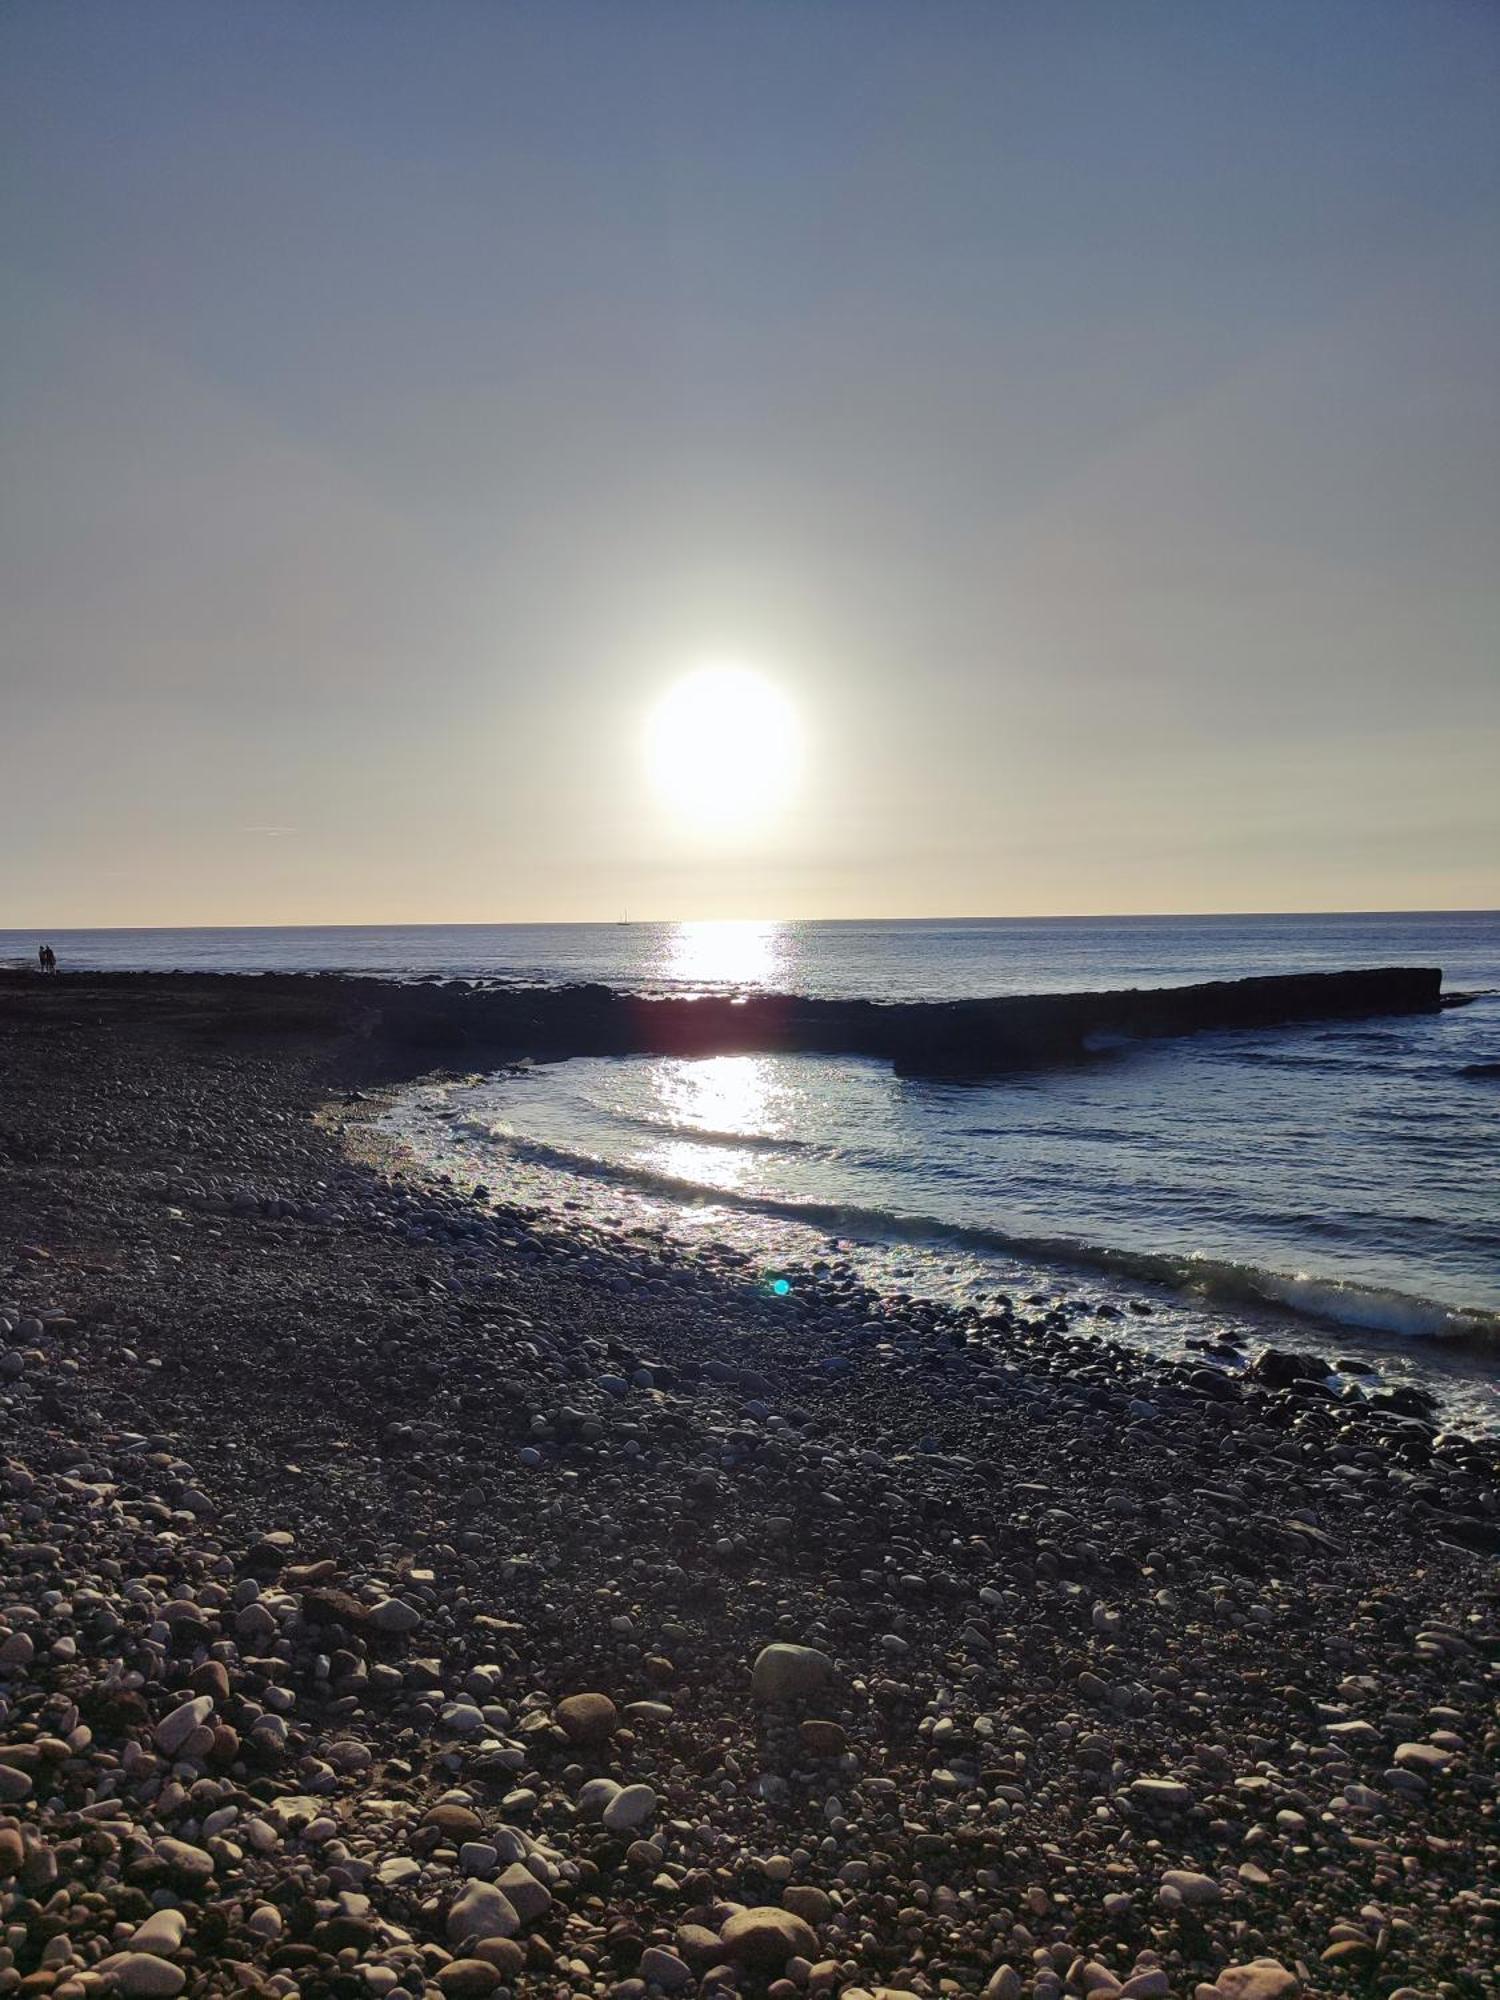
723, 748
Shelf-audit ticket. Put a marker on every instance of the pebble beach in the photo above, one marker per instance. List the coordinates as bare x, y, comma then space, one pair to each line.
402, 1594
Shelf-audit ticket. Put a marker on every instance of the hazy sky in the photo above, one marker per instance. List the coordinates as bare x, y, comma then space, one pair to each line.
1085, 415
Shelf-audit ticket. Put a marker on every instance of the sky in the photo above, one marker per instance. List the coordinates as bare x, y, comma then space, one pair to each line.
1083, 417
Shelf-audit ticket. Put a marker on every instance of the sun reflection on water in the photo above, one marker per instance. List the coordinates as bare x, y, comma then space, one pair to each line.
724, 1098
733, 952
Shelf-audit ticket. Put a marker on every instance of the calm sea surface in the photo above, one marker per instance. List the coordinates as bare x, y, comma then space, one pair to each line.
1333, 1183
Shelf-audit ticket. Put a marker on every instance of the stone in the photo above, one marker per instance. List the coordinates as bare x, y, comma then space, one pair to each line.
586, 1718
1260, 1979
468, 1977
193, 1864
1278, 1369
629, 1809
458, 1822
664, 1969
504, 1954
806, 1900
1160, 1794
529, 1897
462, 1718
211, 1677
766, 1937
173, 1731
784, 1672
1187, 1889
140, 1972
822, 1739
1426, 1759
397, 1870
1149, 1984
162, 1933
1004, 1983
395, 1616
481, 1910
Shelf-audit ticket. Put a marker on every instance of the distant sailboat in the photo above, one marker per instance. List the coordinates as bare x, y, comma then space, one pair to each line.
623, 918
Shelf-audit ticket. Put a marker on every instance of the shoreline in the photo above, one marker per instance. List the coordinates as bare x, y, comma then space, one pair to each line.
1368, 1336
1131, 1676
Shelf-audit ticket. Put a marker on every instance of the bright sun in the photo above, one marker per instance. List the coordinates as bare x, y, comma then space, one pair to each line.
724, 748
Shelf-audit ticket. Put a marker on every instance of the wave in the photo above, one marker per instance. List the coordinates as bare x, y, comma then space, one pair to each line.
708, 1135
657, 1128
1327, 1301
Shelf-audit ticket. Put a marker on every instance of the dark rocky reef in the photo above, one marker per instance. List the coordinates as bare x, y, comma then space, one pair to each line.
458, 1019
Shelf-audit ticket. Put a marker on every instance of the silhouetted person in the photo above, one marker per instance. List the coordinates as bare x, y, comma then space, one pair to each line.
47, 958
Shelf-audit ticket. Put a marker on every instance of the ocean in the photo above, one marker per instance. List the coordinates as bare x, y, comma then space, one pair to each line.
1334, 1187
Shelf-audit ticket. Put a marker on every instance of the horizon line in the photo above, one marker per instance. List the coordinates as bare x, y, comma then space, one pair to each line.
929, 917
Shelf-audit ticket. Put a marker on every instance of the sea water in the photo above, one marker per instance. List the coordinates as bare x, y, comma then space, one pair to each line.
1340, 1179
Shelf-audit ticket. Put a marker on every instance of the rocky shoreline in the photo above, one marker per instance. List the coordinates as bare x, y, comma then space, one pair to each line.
399, 1595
